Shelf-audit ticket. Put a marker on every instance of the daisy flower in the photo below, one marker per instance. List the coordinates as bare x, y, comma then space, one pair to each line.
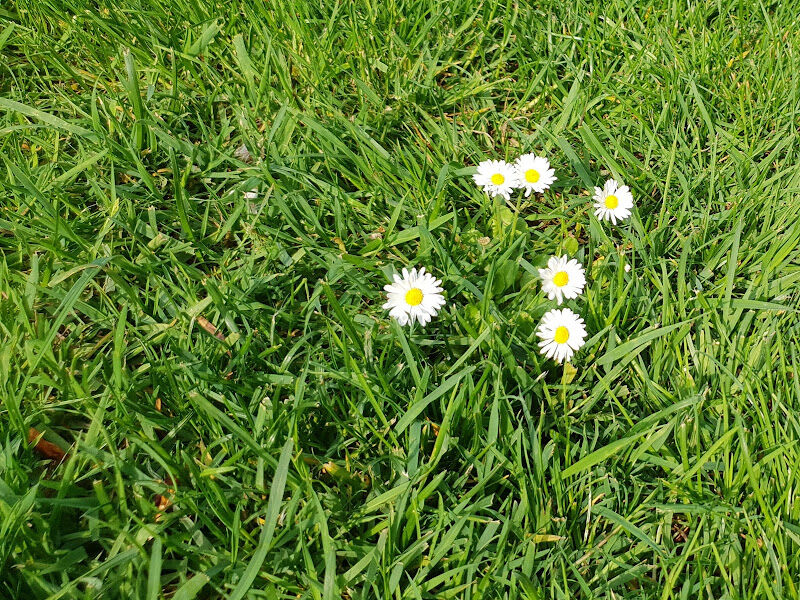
562, 333
563, 278
417, 296
613, 202
534, 173
496, 177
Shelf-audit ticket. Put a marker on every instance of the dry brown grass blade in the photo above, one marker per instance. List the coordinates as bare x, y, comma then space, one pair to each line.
44, 448
210, 328
164, 501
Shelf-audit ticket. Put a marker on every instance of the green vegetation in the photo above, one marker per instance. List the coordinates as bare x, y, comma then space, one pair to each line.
241, 418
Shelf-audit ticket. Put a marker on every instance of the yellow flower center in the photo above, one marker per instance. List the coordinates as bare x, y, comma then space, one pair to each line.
562, 335
414, 297
531, 175
561, 278
612, 202
498, 179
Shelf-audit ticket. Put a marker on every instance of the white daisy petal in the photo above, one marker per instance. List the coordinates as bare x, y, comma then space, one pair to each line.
534, 173
562, 279
562, 333
614, 202
496, 177
417, 297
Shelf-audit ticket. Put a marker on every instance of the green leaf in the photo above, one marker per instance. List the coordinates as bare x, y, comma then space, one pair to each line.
191, 587
270, 522
590, 460
414, 411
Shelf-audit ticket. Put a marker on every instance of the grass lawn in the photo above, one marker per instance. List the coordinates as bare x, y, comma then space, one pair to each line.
201, 395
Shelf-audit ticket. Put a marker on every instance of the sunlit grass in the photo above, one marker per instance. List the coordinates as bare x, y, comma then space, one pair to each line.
241, 419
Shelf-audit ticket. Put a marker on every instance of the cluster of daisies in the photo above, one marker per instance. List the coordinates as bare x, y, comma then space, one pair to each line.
417, 295
500, 178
